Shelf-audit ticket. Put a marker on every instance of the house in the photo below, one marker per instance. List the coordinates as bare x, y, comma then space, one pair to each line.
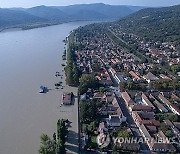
175, 97
164, 77
102, 127
127, 99
118, 111
120, 77
146, 101
172, 126
120, 114
150, 77
163, 146
159, 105
67, 98
100, 95
175, 109
113, 72
109, 97
144, 131
114, 120
145, 118
140, 107
134, 75
107, 110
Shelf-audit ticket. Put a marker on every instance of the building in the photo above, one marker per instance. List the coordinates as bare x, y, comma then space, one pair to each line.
107, 110
118, 117
134, 76
127, 99
146, 101
120, 77
171, 106
140, 107
100, 96
173, 127
160, 106
115, 120
67, 98
150, 77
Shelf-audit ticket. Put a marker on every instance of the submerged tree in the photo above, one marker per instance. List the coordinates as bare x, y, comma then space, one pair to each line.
57, 144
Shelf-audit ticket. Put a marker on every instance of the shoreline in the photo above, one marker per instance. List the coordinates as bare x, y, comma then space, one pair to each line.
29, 27
72, 141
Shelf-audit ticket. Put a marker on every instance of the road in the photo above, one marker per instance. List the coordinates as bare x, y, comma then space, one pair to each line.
132, 125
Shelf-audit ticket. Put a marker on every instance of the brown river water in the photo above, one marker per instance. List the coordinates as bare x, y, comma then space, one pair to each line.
29, 59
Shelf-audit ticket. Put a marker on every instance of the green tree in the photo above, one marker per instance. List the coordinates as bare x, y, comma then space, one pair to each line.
122, 86
47, 146
175, 68
87, 81
124, 134
102, 89
169, 133
87, 111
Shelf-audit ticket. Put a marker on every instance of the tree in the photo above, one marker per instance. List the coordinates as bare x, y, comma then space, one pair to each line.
130, 85
124, 134
88, 111
47, 146
92, 126
173, 117
142, 86
122, 86
87, 81
96, 67
169, 133
57, 144
102, 89
175, 68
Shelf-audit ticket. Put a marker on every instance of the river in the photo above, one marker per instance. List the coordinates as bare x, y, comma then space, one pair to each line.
29, 59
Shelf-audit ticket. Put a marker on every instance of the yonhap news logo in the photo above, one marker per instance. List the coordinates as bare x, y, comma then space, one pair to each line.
139, 140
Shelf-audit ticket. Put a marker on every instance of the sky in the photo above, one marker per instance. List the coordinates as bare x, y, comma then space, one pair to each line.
31, 3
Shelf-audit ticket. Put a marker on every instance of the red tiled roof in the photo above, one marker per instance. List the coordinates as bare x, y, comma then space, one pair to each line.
151, 122
134, 75
141, 108
127, 98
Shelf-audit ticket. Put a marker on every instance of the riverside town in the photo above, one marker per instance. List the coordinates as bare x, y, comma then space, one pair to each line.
90, 78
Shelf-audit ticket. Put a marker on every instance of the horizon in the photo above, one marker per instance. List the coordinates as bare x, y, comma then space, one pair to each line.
33, 3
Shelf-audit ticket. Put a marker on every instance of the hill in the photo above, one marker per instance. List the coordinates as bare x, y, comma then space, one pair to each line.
51, 14
10, 18
99, 10
43, 15
160, 24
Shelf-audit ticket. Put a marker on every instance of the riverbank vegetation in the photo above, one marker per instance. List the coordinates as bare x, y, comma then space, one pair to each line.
71, 70
56, 145
87, 81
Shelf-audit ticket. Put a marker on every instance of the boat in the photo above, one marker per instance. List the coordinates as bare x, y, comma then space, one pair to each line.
43, 89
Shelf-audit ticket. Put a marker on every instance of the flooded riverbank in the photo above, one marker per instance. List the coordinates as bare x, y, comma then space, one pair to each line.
30, 59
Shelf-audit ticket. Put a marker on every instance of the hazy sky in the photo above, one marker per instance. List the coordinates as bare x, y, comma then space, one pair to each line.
30, 3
